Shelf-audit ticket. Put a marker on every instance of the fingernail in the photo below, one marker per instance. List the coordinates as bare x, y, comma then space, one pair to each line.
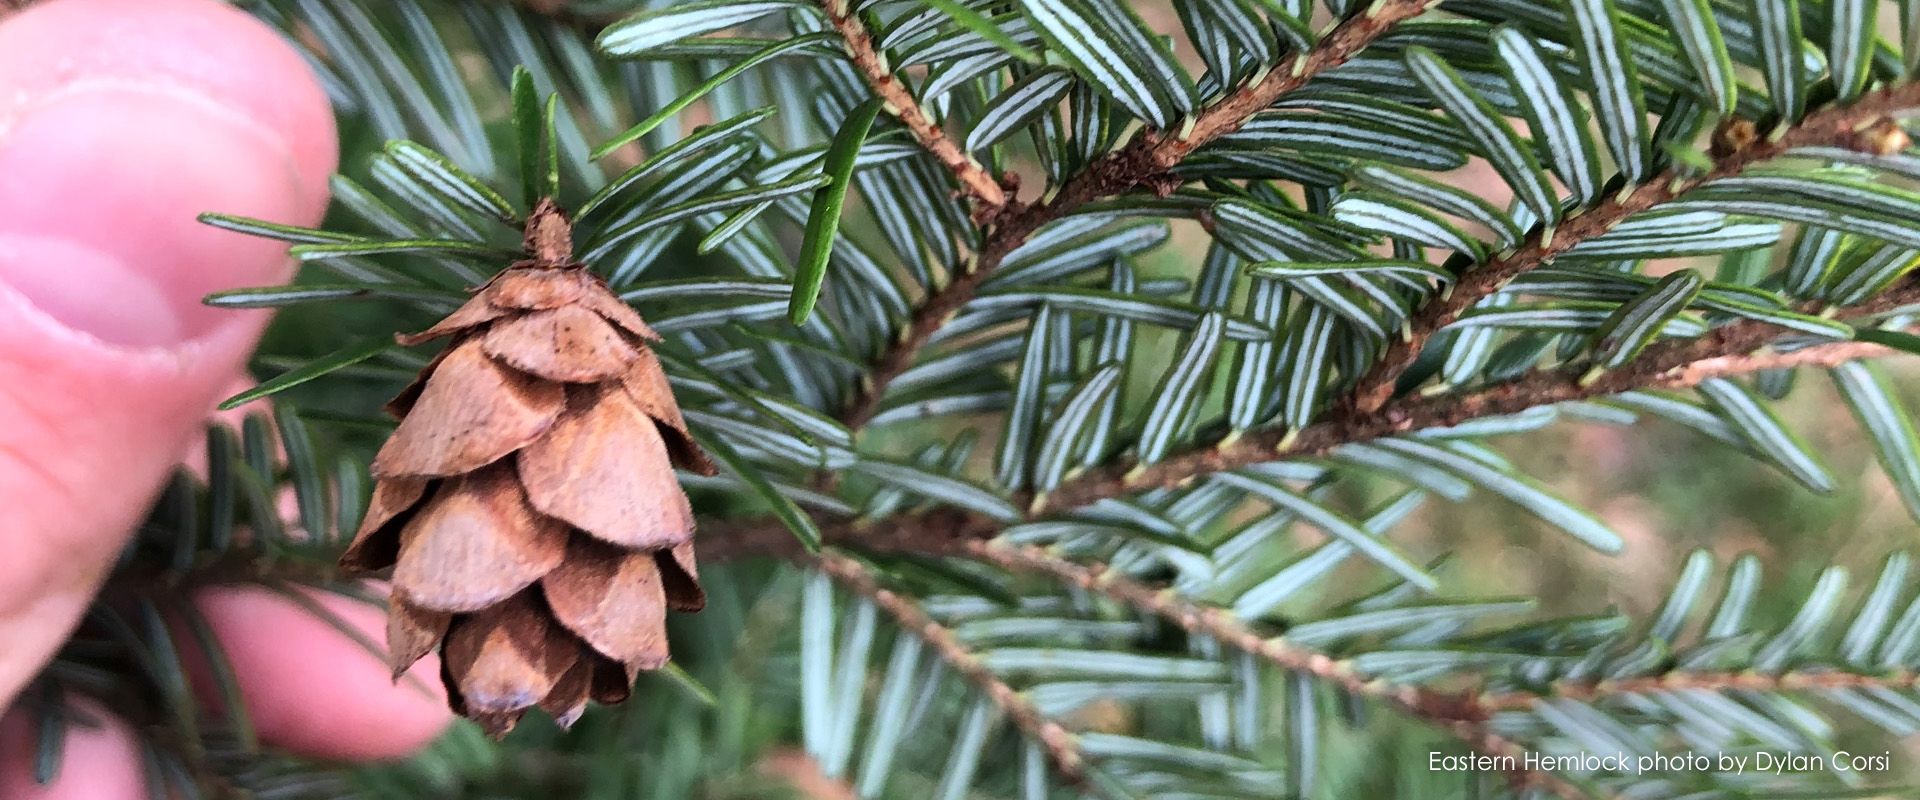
100, 187
88, 291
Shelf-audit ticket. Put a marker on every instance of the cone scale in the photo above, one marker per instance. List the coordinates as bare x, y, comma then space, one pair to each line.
527, 502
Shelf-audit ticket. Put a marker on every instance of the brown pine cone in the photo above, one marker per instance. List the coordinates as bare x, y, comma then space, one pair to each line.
527, 502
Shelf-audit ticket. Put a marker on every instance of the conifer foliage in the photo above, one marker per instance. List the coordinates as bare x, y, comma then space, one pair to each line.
1013, 492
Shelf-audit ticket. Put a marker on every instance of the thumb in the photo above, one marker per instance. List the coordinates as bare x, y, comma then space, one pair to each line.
120, 121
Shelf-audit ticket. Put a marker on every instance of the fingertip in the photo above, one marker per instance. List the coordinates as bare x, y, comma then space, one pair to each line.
98, 761
153, 112
205, 47
313, 690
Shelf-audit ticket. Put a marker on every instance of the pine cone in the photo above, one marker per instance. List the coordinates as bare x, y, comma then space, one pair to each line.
527, 501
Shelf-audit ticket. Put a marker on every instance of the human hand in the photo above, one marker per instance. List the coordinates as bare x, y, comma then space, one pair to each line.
120, 121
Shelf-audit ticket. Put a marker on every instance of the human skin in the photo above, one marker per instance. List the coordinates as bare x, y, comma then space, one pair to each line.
120, 121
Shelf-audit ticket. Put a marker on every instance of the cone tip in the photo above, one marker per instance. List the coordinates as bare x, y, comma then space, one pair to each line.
549, 235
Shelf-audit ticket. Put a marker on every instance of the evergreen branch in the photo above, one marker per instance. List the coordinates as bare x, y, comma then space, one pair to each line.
1221, 625
872, 65
1675, 364
1142, 162
1459, 715
1726, 351
1233, 111
1862, 125
1058, 742
1709, 681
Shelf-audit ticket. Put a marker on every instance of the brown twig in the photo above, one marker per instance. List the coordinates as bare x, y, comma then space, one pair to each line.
1059, 742
1143, 161
1826, 356
1726, 351
1457, 714
1857, 125
1706, 681
986, 192
937, 531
